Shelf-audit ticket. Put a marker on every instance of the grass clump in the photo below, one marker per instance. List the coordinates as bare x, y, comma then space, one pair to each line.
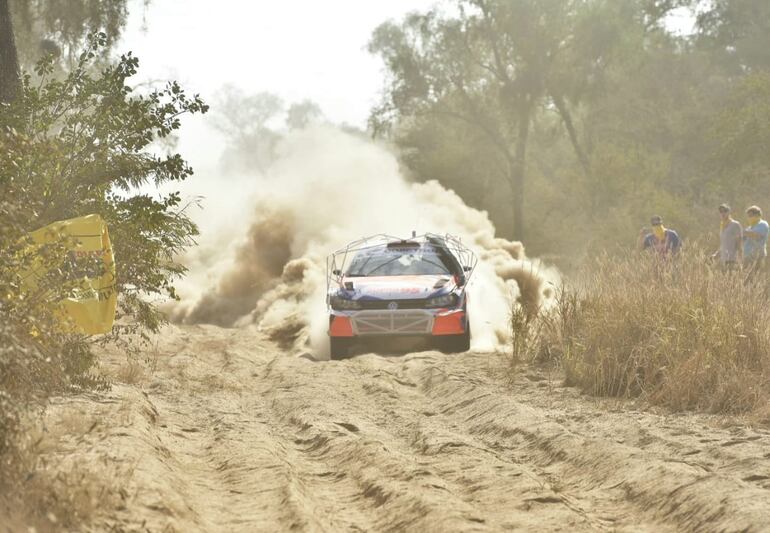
683, 335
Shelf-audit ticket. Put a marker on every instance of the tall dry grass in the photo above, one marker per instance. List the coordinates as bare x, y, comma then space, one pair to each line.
683, 335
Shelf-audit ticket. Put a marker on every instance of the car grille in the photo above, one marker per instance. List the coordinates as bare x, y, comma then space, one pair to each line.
409, 322
418, 303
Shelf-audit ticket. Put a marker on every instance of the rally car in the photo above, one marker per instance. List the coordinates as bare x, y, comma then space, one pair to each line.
385, 287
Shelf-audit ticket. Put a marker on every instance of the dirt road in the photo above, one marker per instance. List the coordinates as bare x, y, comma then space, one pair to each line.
230, 434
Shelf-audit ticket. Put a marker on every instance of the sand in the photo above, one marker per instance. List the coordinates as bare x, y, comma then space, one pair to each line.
231, 433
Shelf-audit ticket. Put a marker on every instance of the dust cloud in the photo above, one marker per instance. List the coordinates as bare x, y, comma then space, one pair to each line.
261, 259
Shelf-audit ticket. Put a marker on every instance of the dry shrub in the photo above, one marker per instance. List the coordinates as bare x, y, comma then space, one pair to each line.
538, 333
522, 334
36, 362
683, 335
132, 372
64, 495
554, 328
55, 482
528, 321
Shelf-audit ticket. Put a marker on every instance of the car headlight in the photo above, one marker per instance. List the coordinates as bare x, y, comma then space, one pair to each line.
448, 300
343, 304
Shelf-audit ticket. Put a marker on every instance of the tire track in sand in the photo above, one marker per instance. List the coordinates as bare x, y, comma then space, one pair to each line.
424, 471
247, 438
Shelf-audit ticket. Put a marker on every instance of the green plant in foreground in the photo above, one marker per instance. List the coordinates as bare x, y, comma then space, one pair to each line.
84, 145
70, 147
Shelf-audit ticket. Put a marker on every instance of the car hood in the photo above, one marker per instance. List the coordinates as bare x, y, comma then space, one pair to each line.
397, 287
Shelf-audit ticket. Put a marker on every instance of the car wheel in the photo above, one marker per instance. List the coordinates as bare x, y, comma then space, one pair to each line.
456, 343
339, 348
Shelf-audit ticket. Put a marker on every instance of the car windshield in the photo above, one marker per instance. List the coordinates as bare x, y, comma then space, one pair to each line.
397, 261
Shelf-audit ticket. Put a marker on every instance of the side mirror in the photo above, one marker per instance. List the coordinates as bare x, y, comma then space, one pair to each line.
337, 272
466, 269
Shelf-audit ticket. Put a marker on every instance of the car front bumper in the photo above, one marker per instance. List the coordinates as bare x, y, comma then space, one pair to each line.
400, 322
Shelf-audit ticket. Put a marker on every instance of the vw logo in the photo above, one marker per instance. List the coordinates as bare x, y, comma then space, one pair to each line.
393, 306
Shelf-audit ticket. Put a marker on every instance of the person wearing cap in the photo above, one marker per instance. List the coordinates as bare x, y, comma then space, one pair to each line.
754, 242
730, 240
664, 241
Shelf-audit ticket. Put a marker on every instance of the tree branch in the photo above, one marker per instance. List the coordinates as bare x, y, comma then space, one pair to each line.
566, 117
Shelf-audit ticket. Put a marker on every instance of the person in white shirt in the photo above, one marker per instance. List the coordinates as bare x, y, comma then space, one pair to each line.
730, 253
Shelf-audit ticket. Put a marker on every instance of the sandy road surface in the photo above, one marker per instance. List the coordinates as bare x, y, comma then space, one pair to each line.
229, 434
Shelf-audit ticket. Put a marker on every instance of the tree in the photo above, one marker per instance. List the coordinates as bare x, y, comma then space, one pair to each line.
246, 121
742, 133
10, 81
82, 145
253, 124
301, 114
58, 27
619, 109
496, 66
737, 34
70, 147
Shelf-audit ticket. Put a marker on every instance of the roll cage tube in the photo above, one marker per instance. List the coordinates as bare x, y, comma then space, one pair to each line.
449, 260
459, 259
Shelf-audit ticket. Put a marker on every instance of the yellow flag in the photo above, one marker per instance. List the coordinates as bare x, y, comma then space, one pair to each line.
90, 306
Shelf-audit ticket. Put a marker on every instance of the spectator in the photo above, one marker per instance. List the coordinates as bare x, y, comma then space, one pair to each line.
755, 243
665, 242
730, 240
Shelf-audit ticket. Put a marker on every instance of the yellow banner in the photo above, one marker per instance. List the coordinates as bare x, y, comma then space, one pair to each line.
90, 306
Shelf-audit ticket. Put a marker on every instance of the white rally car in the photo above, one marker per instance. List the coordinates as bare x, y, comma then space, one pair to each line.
386, 287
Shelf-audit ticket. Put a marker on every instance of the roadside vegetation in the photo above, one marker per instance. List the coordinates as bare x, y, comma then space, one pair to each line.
572, 122
77, 139
685, 336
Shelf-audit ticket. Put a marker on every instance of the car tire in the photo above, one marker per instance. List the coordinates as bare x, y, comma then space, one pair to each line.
456, 343
339, 348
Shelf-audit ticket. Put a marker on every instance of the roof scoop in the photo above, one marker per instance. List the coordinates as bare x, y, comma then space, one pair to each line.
349, 285
440, 283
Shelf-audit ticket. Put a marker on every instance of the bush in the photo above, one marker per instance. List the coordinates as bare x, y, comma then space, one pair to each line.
682, 335
71, 147
36, 359
84, 145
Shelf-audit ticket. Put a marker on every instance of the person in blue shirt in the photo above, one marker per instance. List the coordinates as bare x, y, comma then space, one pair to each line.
663, 241
755, 242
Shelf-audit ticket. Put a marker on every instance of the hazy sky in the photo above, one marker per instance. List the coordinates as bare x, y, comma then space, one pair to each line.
296, 48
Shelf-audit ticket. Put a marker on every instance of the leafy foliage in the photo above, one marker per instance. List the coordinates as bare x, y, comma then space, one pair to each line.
627, 118
245, 120
88, 149
59, 27
736, 32
254, 124
742, 130
70, 147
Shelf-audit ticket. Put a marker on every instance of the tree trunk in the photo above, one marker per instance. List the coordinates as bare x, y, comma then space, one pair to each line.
518, 169
566, 117
10, 79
